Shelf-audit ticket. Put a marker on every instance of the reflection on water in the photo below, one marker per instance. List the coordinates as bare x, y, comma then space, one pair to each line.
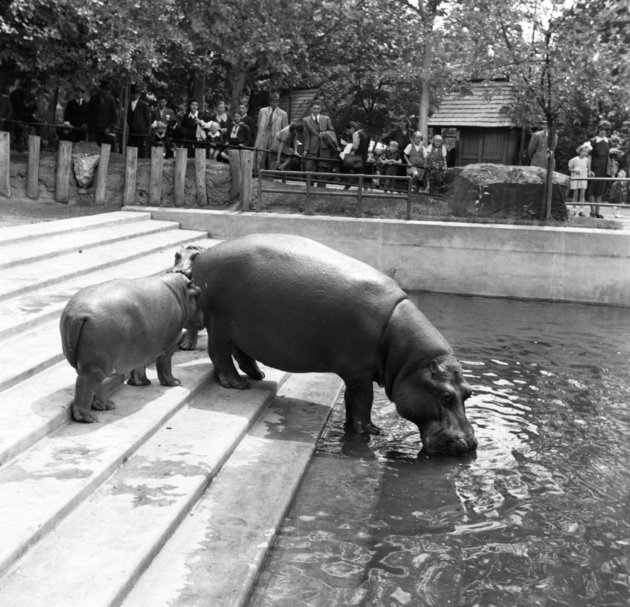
540, 515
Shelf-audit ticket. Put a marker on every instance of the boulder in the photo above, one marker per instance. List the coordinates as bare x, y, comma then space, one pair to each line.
514, 192
85, 157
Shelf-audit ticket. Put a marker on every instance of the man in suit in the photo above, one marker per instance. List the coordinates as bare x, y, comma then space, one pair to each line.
75, 117
538, 148
102, 115
320, 140
138, 122
237, 135
161, 113
249, 121
270, 120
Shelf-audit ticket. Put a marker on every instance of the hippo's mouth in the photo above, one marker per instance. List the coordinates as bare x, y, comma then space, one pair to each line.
442, 443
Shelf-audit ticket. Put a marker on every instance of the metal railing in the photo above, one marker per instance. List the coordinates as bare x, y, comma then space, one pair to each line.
363, 182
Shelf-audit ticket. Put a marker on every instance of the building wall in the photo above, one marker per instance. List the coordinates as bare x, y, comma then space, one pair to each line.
492, 145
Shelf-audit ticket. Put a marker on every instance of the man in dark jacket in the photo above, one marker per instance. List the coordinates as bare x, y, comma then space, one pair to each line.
102, 115
138, 122
75, 117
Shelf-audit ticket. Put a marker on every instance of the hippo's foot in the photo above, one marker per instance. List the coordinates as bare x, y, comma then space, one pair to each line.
170, 381
362, 428
83, 415
188, 341
138, 378
98, 404
235, 382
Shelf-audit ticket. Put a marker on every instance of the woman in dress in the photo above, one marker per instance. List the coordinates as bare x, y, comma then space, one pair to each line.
599, 166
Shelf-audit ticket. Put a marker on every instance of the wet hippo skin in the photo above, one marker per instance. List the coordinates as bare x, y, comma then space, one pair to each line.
296, 305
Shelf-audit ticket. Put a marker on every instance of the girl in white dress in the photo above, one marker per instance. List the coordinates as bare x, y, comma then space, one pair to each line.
579, 166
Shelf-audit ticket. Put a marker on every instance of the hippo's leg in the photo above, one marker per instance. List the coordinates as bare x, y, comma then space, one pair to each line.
164, 372
86, 385
247, 364
101, 400
359, 395
188, 340
138, 377
220, 349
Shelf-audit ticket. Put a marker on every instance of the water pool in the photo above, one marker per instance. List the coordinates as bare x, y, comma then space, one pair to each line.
540, 515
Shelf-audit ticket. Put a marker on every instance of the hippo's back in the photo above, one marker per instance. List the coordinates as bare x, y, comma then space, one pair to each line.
293, 303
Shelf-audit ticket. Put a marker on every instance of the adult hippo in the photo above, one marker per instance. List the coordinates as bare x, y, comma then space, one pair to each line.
120, 326
296, 305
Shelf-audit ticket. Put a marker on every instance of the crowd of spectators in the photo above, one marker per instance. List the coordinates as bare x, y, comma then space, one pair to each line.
310, 144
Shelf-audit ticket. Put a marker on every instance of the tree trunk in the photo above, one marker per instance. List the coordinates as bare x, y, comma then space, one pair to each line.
427, 58
238, 83
551, 165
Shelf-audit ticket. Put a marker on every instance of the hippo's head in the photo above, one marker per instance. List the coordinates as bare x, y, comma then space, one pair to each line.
184, 257
433, 397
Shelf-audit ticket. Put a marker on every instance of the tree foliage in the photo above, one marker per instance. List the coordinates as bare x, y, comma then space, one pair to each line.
373, 60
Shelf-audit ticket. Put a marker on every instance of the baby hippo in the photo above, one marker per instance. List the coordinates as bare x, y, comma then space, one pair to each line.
120, 326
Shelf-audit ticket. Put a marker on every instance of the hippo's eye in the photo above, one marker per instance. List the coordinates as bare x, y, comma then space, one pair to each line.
448, 397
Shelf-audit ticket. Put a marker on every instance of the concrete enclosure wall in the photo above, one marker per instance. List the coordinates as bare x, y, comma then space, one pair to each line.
557, 264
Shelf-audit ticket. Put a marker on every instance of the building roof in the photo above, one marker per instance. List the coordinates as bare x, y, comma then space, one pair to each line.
485, 105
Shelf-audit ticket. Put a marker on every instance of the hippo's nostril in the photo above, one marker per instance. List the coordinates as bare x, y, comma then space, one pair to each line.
460, 445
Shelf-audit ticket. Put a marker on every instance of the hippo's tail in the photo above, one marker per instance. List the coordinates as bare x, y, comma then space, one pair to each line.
71, 327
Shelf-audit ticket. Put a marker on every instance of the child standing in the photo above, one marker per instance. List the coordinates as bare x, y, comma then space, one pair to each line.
580, 166
390, 162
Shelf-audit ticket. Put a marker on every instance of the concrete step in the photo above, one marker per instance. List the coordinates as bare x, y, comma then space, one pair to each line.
55, 245
43, 483
96, 554
20, 279
32, 231
215, 554
87, 509
26, 310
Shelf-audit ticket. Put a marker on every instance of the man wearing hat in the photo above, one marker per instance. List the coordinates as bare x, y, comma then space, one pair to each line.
270, 120
138, 122
538, 148
102, 115
75, 117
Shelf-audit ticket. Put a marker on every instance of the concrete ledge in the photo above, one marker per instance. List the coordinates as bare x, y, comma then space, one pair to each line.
529, 262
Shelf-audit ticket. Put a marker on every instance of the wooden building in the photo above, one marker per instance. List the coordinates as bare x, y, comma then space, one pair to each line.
476, 126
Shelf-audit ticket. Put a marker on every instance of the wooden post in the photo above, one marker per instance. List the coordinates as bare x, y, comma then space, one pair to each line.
64, 165
157, 169
32, 171
200, 176
409, 190
307, 204
101, 175
235, 172
360, 196
5, 164
181, 164
131, 175
246, 179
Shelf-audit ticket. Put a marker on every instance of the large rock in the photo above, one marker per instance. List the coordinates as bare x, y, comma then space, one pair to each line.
515, 192
85, 157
